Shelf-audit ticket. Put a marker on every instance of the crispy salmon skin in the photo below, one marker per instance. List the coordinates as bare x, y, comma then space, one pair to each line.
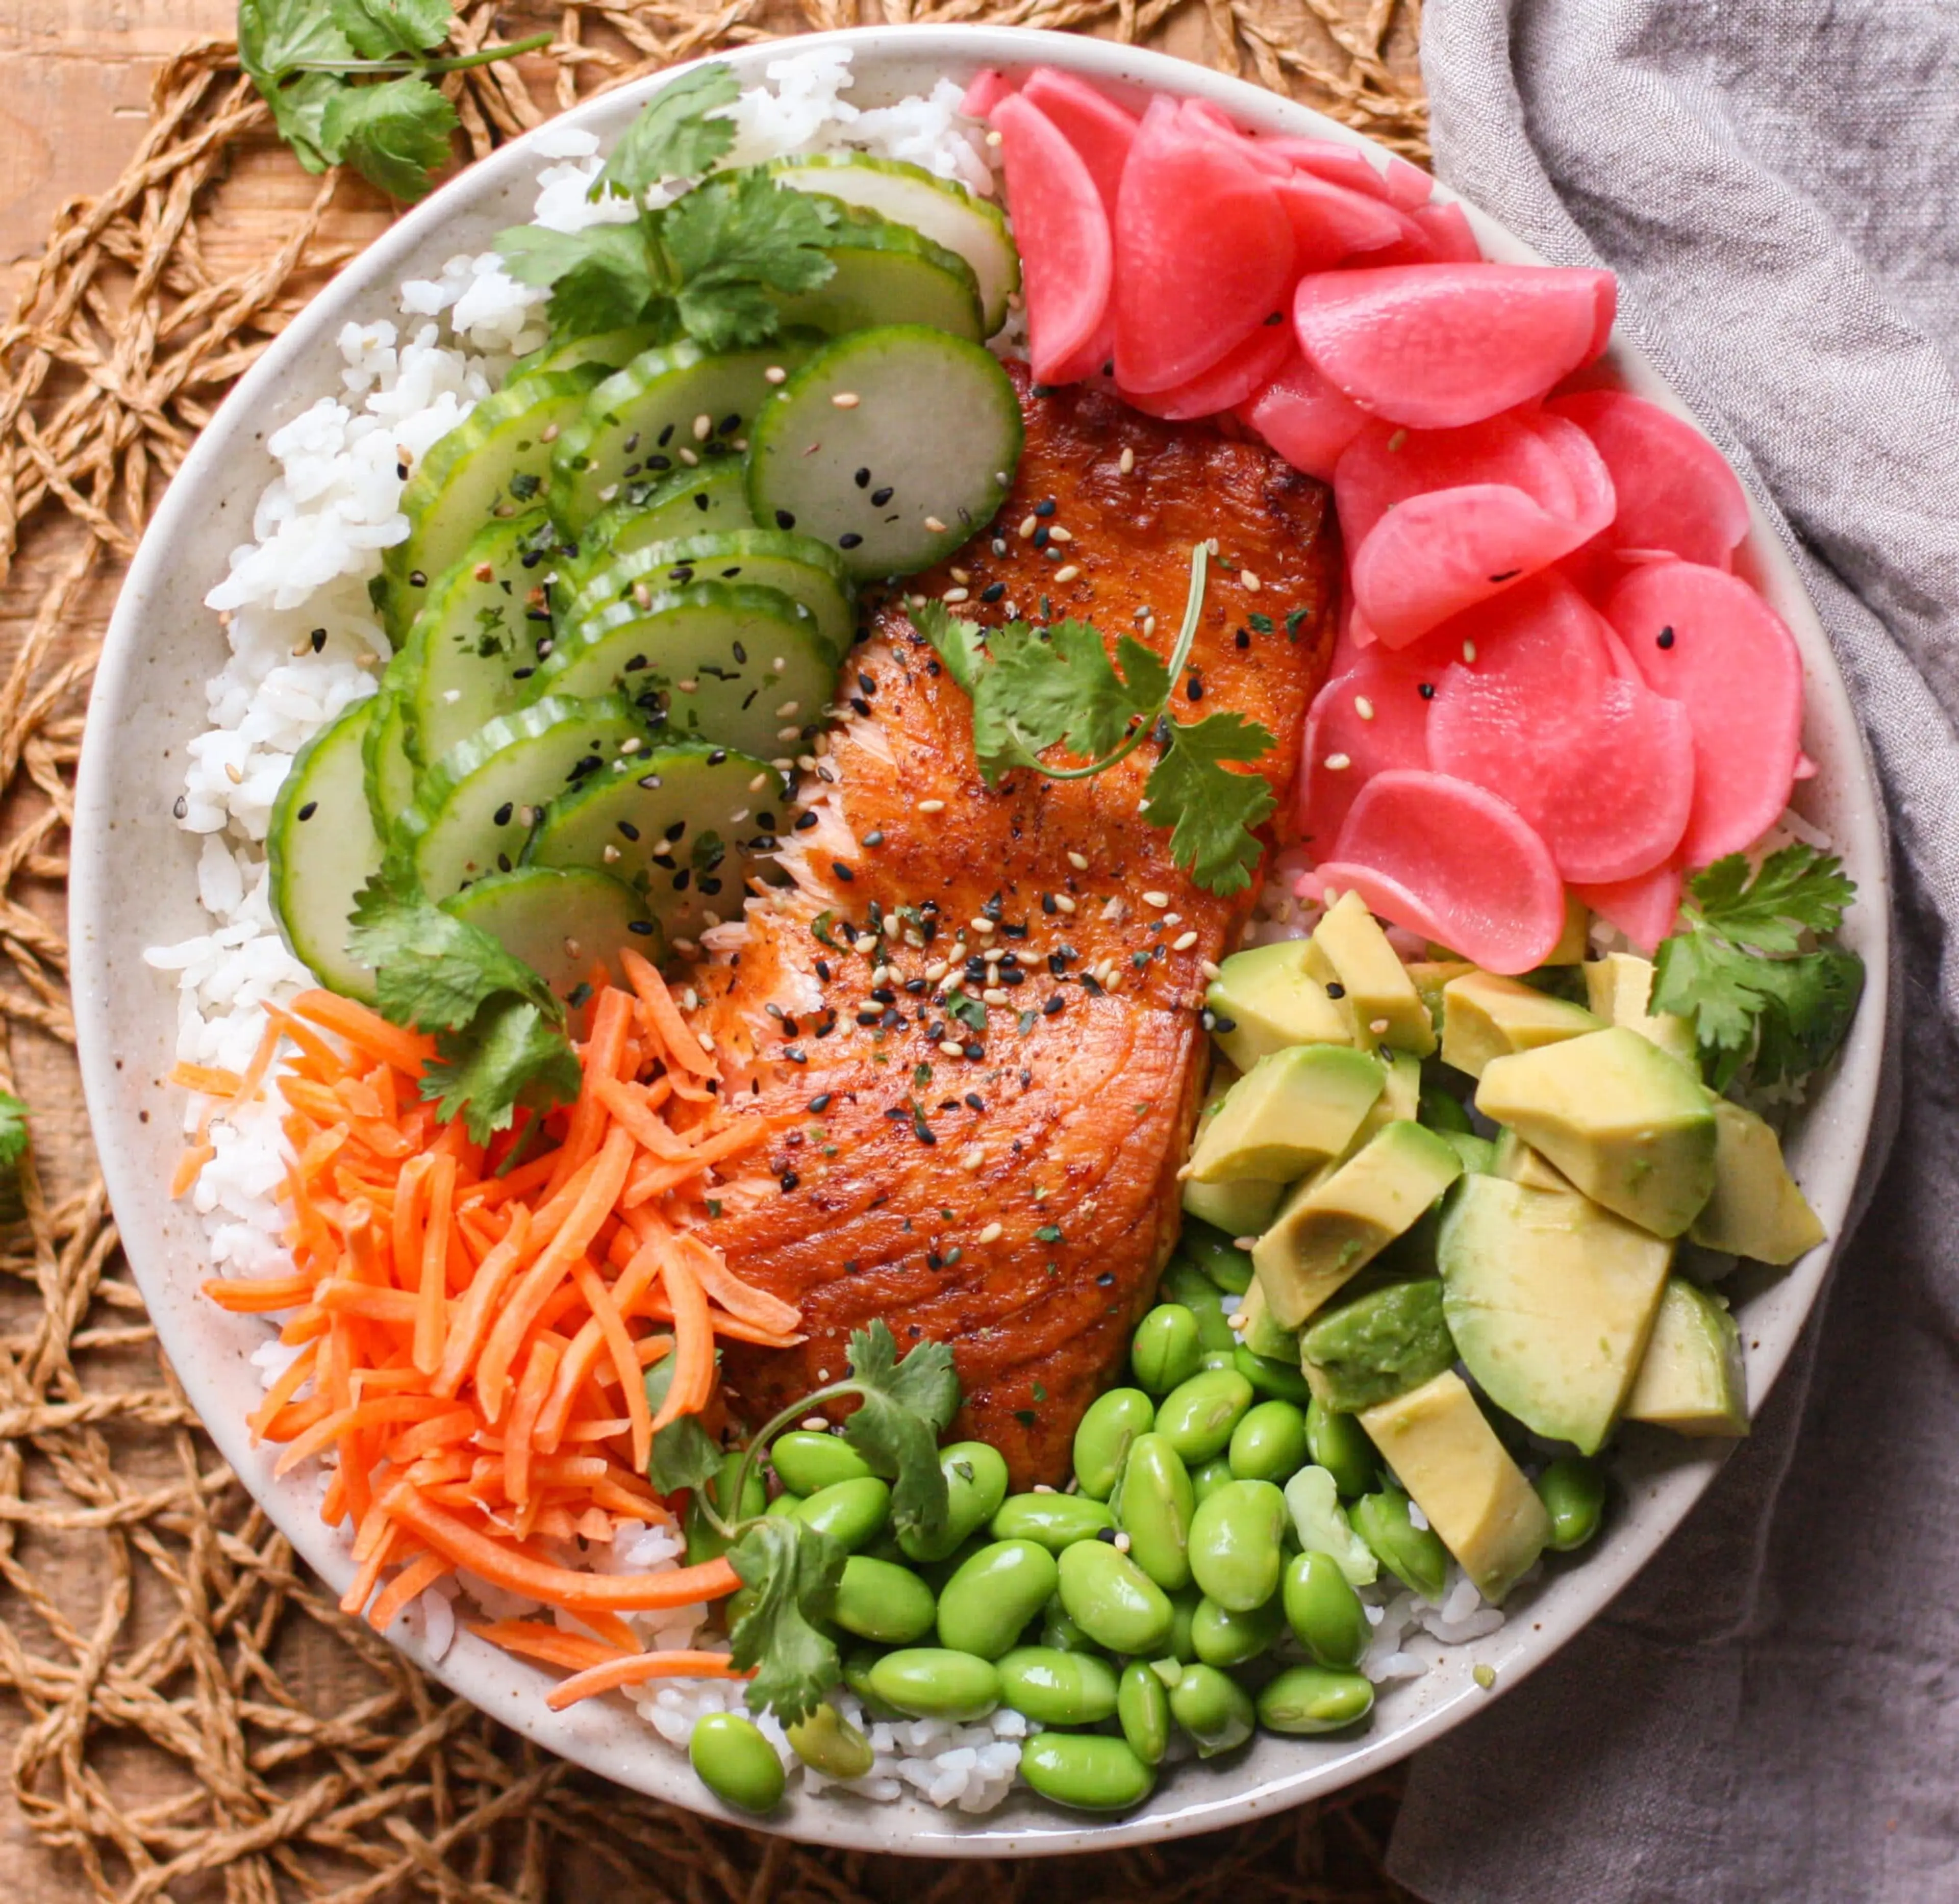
975, 1014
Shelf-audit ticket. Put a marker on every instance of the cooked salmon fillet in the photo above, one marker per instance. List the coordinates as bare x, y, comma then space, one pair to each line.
1010, 1190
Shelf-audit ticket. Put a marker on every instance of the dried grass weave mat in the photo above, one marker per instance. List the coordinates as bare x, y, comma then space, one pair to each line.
187, 1715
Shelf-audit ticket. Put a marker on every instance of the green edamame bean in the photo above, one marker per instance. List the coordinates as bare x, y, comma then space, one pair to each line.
1310, 1698
1184, 1282
1057, 1688
1181, 1644
1165, 1348
1060, 1633
1112, 1600
1339, 1444
1155, 1509
1235, 1551
1213, 1707
1206, 1479
1413, 1555
1219, 1257
1572, 1491
1198, 1416
1324, 1612
857, 1664
1086, 1771
876, 1599
1213, 1359
1221, 1637
704, 1542
975, 1484
735, 1762
784, 1505
1269, 1444
935, 1682
1055, 1520
852, 1512
983, 1607
806, 1461
1281, 1381
936, 1573
828, 1743
1142, 1710
1102, 1441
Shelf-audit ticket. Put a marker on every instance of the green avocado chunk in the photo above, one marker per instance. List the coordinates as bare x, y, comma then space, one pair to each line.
1379, 1346
1632, 1128
1756, 1211
1260, 1334
1550, 1299
1265, 1000
1485, 1017
1288, 1113
1237, 1209
1512, 1157
1619, 987
1376, 995
1690, 1380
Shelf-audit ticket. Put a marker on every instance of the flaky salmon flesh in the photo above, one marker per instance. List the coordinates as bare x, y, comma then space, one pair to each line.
1009, 1188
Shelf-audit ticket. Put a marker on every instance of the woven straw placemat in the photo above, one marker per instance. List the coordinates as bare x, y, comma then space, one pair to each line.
187, 1715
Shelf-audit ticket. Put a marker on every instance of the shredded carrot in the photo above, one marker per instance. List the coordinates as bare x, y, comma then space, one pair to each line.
693, 1384
552, 1645
635, 1669
207, 1080
190, 1165
662, 1018
407, 1051
532, 1387
413, 1579
433, 1281
258, 1295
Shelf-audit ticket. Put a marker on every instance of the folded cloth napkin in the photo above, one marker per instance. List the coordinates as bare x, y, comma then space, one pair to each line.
1772, 1711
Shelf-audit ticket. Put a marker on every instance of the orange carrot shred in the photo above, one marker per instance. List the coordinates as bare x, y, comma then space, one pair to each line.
417, 1575
532, 1387
662, 1016
469, 1321
693, 1384
552, 1645
636, 1670
619, 1340
190, 1166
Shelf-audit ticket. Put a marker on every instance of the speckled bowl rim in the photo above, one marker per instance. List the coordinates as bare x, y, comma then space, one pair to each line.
133, 884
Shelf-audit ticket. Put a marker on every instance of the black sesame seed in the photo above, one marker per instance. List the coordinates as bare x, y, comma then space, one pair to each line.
976, 1052
1105, 1278
503, 813
1427, 690
1041, 538
862, 479
307, 812
795, 1055
1336, 989
860, 706
319, 639
728, 424
643, 928
805, 822
1045, 506
719, 754
819, 1103
868, 1017
1665, 638
992, 591
879, 497
841, 872
417, 580
630, 831
1242, 638
784, 519
680, 879
873, 838
1193, 688
1048, 903
790, 1180
999, 545
1052, 1006
850, 539
179, 807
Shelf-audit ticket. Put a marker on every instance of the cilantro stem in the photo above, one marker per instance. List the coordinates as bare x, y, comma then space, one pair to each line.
450, 63
728, 1529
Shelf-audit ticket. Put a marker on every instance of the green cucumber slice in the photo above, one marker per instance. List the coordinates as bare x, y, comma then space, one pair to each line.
321, 847
914, 464
387, 767
657, 414
689, 502
565, 922
804, 568
722, 662
936, 208
476, 638
496, 462
888, 274
614, 349
687, 829
475, 809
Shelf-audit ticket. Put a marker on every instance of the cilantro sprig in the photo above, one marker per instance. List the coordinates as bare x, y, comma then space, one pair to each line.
903, 1404
1738, 971
499, 1028
1034, 689
710, 261
306, 57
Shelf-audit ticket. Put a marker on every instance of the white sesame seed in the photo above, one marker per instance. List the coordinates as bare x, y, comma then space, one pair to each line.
893, 925
1115, 909
1173, 918
1149, 624
950, 1049
1062, 900
760, 781
1379, 1026
816, 1424
789, 734
994, 138
235, 775
643, 596
688, 457
931, 806
982, 925
1058, 534
741, 446
1122, 1543
1210, 968
548, 434
706, 1038
957, 594
1469, 651
1042, 1487
1211, 544
996, 995
527, 816
973, 1157
573, 949
450, 695
880, 973
610, 490
367, 659
611, 854
1251, 582
775, 373
1080, 864
704, 427
934, 524
1183, 942
690, 999
1159, 900
1066, 573
1028, 524
1129, 461
789, 710
846, 400
991, 1234
1337, 763
936, 971
1364, 707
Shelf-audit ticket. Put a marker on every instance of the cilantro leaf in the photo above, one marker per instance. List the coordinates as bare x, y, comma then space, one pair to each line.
684, 1453
1808, 1010
971, 1012
602, 279
510, 1054
732, 242
395, 135
385, 29
673, 138
896, 1426
433, 971
13, 1130
1209, 810
793, 1568
274, 35
960, 645
1795, 889
1063, 689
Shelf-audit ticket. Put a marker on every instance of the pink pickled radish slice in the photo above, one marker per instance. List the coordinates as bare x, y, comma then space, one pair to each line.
1330, 223
1344, 165
1063, 231
988, 88
1092, 360
1235, 377
1445, 859
1408, 186
1605, 311
1434, 346
1594, 498
1675, 490
1645, 909
1386, 466
1373, 717
1705, 639
1805, 768
1099, 129
1304, 418
1203, 252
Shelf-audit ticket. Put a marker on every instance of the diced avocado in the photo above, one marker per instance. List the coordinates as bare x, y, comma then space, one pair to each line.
1262, 1335
1512, 1158
1575, 940
1630, 1126
1400, 1098
1756, 1211
1619, 988
1336, 1223
1379, 998
1287, 1115
1447, 1456
1238, 1209
1484, 1017
1265, 1000
1551, 1300
1216, 1253
1429, 977
1379, 1346
1478, 1153
1690, 1380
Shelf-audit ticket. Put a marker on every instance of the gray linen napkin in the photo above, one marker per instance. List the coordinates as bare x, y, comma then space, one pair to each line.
1772, 1711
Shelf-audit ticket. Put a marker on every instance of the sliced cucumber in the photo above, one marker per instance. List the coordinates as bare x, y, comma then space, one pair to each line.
475, 641
388, 768
612, 349
495, 463
322, 848
888, 274
726, 662
935, 208
687, 828
892, 495
689, 502
656, 414
475, 809
804, 568
566, 923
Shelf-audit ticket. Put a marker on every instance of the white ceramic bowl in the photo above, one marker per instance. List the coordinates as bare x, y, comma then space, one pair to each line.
134, 884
